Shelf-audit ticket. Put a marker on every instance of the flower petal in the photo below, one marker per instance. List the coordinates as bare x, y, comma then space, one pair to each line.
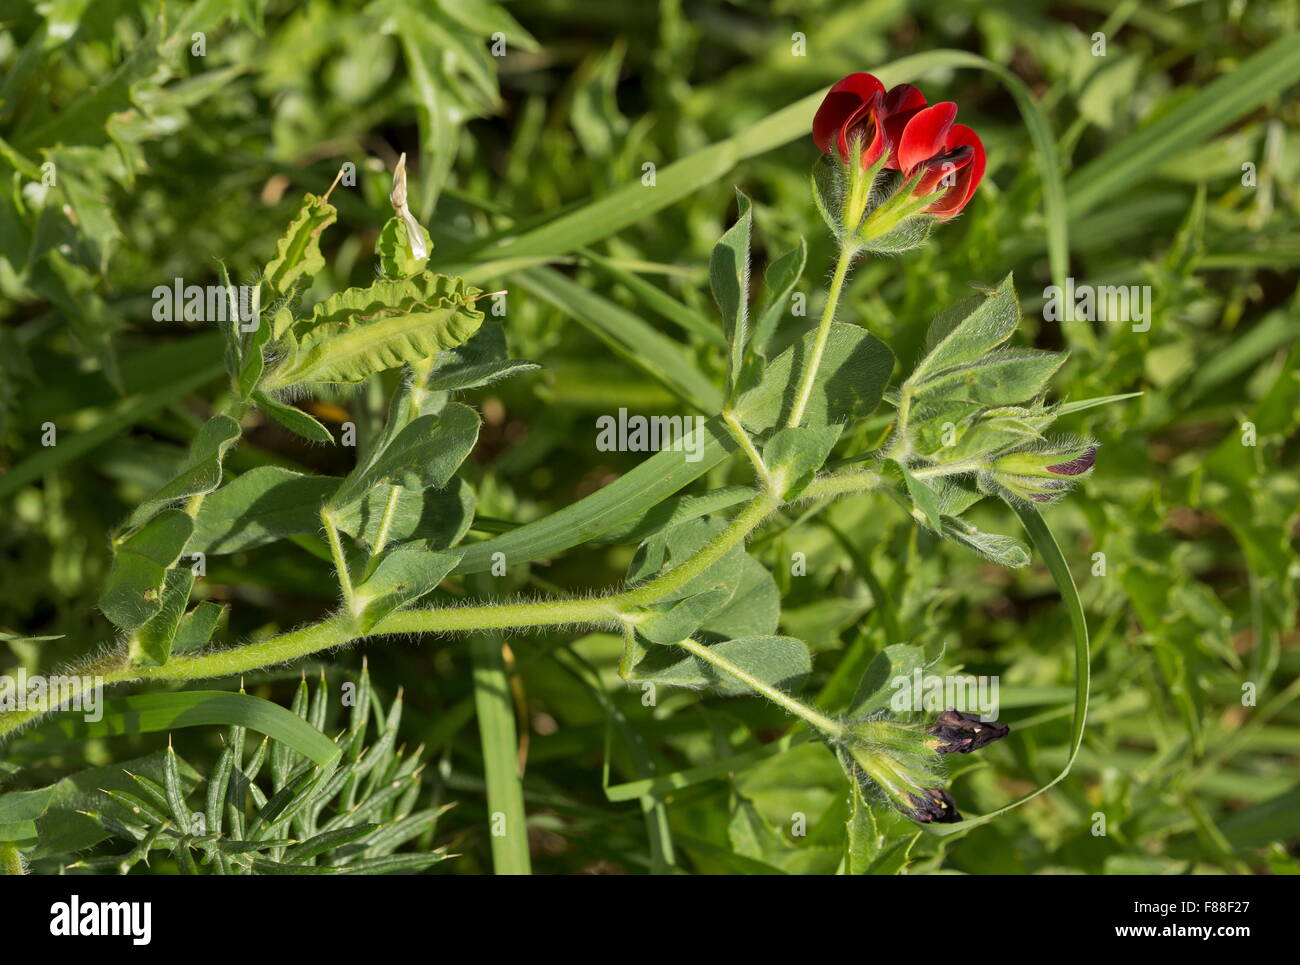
865, 123
900, 105
925, 135
839, 104
968, 179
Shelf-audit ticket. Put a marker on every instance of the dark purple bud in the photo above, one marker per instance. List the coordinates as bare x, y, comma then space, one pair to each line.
1076, 466
960, 733
933, 805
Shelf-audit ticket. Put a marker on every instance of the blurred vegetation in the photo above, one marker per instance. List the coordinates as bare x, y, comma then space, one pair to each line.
167, 161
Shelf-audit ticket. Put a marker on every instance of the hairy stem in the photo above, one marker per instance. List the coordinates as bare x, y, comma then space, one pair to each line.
11, 861
747, 446
820, 721
845, 260
340, 559
337, 630
386, 521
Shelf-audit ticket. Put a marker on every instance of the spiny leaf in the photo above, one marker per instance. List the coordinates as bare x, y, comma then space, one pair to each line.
360, 331
297, 253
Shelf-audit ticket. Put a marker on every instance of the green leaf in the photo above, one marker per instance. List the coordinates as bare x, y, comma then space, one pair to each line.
152, 643
439, 518
888, 671
425, 453
294, 419
480, 361
729, 280
396, 256
755, 605
1230, 97
674, 546
201, 471
133, 593
631, 338
402, 576
262, 505
17, 806
967, 331
1003, 377
197, 626
780, 661
794, 455
495, 709
675, 620
849, 385
150, 713
778, 284
850, 381
1003, 550
827, 183
297, 253
658, 301
360, 331
924, 498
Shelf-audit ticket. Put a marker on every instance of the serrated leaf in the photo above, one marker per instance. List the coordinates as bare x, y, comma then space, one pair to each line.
361, 331
297, 253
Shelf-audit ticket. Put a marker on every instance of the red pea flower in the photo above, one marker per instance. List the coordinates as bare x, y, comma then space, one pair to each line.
932, 146
859, 107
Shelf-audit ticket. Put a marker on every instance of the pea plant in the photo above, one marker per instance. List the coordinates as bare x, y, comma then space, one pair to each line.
971, 421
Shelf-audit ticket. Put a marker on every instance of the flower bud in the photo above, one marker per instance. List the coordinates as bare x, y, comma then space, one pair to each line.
898, 761
961, 733
1042, 474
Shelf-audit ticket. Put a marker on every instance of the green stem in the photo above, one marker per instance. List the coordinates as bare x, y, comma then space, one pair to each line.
747, 446
830, 728
386, 521
847, 254
340, 559
340, 629
11, 862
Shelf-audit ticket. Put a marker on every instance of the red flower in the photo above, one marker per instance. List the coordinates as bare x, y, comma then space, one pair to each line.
936, 148
859, 107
